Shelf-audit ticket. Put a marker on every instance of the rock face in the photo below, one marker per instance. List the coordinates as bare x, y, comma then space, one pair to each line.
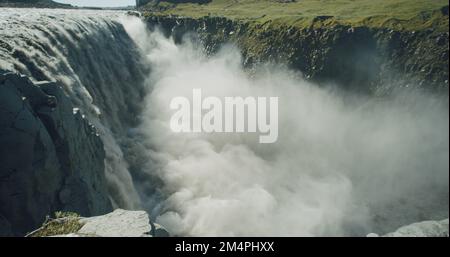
142, 2
121, 223
50, 157
374, 60
422, 229
428, 228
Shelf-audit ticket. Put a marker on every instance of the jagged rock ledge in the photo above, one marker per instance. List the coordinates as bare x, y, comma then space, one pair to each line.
429, 228
120, 223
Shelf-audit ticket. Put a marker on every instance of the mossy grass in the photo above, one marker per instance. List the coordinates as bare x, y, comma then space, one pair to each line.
62, 223
394, 14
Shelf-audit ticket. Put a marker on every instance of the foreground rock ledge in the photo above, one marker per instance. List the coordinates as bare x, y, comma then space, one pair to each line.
120, 223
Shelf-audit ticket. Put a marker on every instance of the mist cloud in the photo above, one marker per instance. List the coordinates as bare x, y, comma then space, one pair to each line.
343, 164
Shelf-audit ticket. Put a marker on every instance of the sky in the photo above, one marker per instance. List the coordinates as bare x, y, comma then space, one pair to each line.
98, 3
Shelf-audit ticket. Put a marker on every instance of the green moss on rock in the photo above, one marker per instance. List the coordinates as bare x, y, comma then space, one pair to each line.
63, 223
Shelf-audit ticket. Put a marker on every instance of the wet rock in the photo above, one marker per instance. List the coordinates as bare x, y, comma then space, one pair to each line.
160, 231
134, 13
5, 227
444, 10
422, 229
429, 228
50, 159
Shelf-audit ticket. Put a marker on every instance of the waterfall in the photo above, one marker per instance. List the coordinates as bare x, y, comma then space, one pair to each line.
97, 64
343, 164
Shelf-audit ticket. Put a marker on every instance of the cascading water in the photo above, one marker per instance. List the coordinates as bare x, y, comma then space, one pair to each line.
97, 64
343, 164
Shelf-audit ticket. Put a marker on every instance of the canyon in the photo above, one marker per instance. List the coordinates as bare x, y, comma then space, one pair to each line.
84, 123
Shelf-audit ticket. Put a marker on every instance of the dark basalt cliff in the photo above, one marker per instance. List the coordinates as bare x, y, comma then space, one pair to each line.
366, 59
51, 158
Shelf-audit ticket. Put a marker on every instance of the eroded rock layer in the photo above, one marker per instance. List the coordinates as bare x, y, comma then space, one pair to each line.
51, 157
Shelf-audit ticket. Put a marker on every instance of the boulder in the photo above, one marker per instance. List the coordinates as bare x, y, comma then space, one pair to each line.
119, 223
428, 228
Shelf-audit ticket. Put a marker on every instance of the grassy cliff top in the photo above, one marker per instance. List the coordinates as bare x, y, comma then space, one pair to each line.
396, 14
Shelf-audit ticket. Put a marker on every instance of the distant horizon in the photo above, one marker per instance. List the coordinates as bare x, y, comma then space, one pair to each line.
98, 3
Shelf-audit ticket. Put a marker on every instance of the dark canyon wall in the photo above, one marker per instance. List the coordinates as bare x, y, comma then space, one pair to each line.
375, 60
